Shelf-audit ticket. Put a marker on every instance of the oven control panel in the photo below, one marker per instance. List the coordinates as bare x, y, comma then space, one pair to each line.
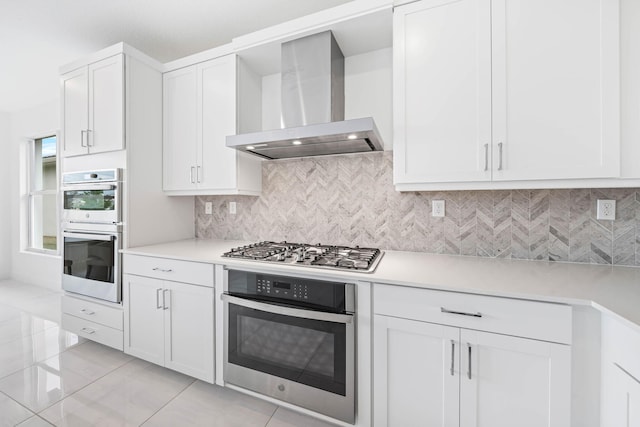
298, 291
309, 292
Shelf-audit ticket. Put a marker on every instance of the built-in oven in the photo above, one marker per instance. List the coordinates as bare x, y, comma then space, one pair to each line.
91, 233
91, 263
293, 339
91, 197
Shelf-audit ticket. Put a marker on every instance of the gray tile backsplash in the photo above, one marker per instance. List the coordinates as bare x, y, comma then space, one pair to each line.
351, 200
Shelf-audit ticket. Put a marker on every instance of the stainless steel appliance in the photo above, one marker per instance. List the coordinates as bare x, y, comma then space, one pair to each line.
363, 260
312, 107
91, 197
293, 339
91, 232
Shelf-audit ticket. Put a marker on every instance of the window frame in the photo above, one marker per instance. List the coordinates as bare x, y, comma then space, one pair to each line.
30, 194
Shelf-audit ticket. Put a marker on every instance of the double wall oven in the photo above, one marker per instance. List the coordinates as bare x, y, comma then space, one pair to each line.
92, 233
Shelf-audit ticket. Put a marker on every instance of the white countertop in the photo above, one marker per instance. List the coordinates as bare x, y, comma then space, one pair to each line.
611, 289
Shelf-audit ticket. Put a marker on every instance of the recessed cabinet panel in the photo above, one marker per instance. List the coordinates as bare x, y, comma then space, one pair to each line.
218, 104
106, 101
442, 99
415, 373
556, 89
180, 129
507, 381
143, 323
75, 99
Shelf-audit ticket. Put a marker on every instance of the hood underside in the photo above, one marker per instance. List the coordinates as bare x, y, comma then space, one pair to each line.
312, 92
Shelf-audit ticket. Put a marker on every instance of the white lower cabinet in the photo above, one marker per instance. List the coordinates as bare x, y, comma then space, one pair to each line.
620, 375
170, 324
430, 374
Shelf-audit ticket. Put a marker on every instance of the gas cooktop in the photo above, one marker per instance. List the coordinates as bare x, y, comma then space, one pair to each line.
359, 259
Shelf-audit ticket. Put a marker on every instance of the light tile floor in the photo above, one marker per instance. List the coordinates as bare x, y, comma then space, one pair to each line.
50, 376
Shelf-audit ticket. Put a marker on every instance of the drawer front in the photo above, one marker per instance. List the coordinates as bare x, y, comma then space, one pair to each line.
94, 331
197, 273
529, 319
93, 312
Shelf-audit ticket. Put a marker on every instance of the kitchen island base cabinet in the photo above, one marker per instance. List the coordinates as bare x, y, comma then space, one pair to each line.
170, 324
431, 374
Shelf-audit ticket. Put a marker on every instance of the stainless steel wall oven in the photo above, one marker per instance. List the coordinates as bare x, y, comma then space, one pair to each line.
91, 232
293, 339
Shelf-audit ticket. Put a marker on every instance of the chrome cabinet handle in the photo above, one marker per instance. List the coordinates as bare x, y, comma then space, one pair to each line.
486, 157
162, 270
469, 369
88, 331
191, 175
87, 312
461, 313
287, 311
453, 355
198, 173
89, 140
158, 306
500, 154
166, 292
82, 138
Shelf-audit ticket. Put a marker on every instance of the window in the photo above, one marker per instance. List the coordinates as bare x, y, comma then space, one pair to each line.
43, 194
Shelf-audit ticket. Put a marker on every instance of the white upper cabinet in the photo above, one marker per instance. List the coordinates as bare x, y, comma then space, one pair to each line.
93, 108
199, 112
488, 91
442, 91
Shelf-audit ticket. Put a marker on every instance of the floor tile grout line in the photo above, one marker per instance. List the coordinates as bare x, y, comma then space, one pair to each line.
11, 398
170, 400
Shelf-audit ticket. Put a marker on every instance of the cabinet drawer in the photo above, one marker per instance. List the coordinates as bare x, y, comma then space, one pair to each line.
93, 312
530, 319
197, 273
93, 331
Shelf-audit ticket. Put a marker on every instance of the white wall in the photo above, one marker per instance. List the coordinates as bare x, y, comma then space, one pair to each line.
5, 206
43, 270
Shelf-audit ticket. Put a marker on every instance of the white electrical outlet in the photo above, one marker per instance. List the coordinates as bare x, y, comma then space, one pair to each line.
208, 208
437, 208
606, 210
232, 208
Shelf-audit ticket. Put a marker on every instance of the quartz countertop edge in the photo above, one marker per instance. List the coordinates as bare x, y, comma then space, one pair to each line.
614, 290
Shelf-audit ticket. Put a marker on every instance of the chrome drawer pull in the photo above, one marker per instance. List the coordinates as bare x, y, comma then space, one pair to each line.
87, 312
162, 270
88, 330
462, 313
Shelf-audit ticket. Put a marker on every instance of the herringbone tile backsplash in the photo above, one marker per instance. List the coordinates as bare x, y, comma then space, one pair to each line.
351, 200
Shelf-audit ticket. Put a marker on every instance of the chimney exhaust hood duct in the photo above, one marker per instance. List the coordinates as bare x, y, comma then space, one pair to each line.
312, 107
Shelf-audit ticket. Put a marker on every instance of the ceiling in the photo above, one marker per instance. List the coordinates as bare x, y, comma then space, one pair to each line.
38, 36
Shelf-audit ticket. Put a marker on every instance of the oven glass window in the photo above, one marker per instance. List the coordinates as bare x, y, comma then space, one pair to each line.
89, 200
89, 258
310, 352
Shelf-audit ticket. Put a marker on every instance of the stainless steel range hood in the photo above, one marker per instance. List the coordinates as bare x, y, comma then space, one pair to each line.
312, 107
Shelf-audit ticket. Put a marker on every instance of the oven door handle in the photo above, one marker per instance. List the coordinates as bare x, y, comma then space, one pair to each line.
103, 237
288, 311
85, 187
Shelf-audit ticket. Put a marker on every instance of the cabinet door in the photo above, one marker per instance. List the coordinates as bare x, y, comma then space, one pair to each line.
189, 329
75, 99
180, 134
217, 103
442, 91
507, 381
415, 378
555, 89
143, 318
621, 398
106, 105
